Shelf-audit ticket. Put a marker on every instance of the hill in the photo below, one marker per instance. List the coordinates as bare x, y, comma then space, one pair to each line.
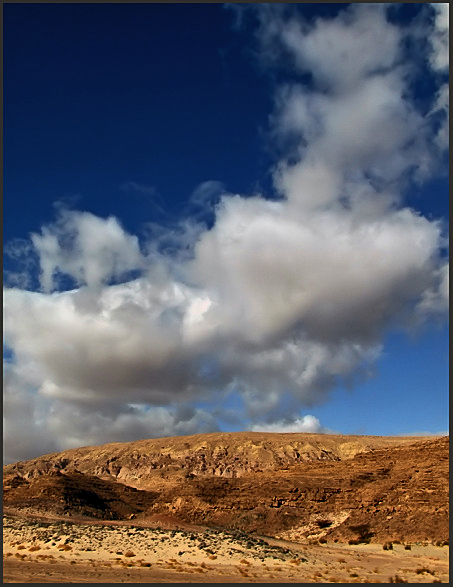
293, 486
164, 462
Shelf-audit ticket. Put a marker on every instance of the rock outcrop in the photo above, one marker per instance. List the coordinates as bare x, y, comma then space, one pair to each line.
161, 463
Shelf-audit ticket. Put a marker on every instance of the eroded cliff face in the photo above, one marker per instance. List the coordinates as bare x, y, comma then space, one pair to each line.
159, 463
217, 461
384, 494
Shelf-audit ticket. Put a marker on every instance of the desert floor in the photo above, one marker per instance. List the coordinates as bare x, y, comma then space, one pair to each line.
58, 551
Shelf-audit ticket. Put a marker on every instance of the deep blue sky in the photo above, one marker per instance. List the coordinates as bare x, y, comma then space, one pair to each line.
99, 95
99, 98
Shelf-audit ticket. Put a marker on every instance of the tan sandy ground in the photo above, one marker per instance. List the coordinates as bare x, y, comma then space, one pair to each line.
58, 551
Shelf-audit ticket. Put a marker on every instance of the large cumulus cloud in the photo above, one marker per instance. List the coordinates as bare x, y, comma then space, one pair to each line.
279, 299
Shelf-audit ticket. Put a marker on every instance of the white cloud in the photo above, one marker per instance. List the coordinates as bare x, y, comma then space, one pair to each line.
338, 59
79, 426
435, 300
307, 423
89, 249
277, 301
24, 414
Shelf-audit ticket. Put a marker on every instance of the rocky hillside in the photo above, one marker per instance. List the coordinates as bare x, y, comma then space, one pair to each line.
396, 493
75, 494
297, 487
161, 463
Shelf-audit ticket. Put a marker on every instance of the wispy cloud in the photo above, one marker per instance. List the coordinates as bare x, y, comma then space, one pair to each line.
138, 188
147, 192
25, 260
207, 193
278, 300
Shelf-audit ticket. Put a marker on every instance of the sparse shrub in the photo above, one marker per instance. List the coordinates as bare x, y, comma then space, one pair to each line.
322, 541
244, 562
21, 547
397, 579
9, 554
72, 562
353, 575
387, 546
65, 547
212, 556
341, 560
364, 532
34, 548
353, 541
129, 553
407, 547
295, 561
422, 570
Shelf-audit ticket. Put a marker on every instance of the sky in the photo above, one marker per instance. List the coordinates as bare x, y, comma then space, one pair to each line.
223, 217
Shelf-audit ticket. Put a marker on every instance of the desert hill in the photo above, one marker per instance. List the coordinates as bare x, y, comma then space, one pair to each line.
293, 486
158, 463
